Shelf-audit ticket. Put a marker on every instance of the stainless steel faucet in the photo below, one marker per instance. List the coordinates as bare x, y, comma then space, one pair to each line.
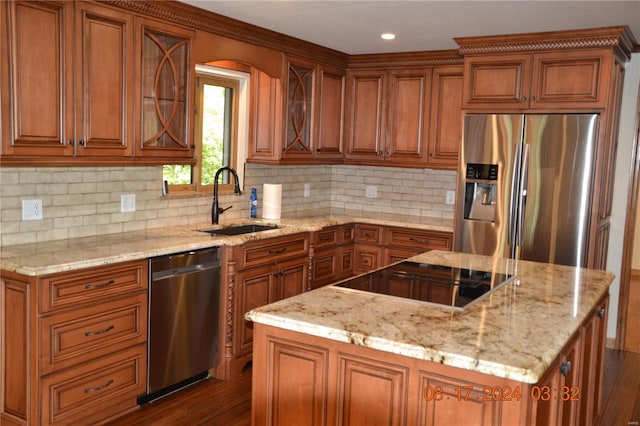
216, 210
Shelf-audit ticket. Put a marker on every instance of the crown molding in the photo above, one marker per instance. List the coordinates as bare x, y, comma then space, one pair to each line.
405, 59
620, 38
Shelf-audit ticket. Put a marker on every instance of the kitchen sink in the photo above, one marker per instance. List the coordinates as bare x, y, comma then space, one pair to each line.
239, 229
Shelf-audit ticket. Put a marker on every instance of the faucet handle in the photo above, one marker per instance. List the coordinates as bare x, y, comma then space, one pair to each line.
221, 210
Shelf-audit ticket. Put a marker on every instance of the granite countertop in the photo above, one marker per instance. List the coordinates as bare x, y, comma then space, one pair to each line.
66, 255
514, 332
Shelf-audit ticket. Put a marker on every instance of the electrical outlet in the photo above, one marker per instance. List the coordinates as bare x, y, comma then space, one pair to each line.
307, 189
371, 191
31, 209
127, 203
451, 198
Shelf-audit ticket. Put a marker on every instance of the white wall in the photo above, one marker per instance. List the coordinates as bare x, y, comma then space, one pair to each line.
621, 184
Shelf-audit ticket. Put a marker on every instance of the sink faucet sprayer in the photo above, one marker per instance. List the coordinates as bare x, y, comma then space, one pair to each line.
216, 210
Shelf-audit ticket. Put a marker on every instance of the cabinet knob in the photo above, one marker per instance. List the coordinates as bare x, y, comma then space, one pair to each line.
565, 367
524, 99
71, 142
601, 313
81, 142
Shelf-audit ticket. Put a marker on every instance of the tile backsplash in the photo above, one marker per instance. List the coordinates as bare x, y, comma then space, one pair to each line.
85, 201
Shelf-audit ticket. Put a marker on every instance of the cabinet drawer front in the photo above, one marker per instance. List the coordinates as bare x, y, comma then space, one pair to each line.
269, 251
63, 290
368, 234
88, 333
326, 237
417, 239
95, 391
348, 234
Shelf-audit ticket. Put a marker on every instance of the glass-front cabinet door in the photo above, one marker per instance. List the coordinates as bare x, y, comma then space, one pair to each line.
299, 113
166, 92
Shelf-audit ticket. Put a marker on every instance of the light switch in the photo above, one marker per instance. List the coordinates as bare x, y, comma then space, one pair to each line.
127, 203
31, 209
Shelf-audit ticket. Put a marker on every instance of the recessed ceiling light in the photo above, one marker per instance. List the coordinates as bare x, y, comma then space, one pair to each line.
387, 36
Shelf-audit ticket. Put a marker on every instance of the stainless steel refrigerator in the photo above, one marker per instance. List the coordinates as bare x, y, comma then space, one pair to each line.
525, 184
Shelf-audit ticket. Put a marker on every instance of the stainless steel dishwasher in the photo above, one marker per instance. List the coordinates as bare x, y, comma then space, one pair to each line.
184, 315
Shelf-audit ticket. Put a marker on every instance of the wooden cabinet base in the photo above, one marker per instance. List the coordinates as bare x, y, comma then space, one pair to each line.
307, 380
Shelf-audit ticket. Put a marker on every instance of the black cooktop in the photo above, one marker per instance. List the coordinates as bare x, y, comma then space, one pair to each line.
455, 288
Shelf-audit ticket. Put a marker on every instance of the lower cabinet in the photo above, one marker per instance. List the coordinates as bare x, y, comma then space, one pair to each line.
74, 344
307, 380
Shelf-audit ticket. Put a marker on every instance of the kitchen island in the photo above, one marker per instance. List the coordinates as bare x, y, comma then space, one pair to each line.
529, 352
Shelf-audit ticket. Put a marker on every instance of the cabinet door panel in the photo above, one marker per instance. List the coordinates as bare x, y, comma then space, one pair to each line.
38, 101
365, 118
255, 289
571, 79
167, 86
446, 117
106, 86
408, 115
447, 401
496, 82
372, 392
298, 384
293, 278
265, 113
331, 108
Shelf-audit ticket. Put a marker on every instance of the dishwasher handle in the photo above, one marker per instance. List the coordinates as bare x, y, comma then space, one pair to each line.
169, 273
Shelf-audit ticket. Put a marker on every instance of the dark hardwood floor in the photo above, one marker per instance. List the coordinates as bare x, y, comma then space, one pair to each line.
214, 402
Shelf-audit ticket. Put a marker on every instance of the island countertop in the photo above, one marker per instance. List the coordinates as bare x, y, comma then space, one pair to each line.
515, 332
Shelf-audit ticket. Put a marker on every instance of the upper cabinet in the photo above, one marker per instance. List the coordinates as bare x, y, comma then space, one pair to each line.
300, 120
63, 100
404, 116
568, 80
73, 93
388, 115
165, 102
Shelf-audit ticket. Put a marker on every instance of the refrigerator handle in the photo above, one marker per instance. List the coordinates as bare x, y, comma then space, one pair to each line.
513, 201
522, 194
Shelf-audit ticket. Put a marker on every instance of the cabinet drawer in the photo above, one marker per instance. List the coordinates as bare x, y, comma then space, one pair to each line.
371, 234
84, 334
96, 390
418, 240
268, 251
71, 288
326, 237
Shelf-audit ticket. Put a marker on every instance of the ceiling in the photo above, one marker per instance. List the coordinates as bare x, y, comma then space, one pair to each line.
354, 27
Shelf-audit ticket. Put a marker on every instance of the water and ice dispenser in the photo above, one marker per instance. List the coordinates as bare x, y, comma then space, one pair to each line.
481, 191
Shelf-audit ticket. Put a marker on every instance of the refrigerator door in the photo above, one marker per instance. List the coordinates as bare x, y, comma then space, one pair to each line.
488, 173
558, 182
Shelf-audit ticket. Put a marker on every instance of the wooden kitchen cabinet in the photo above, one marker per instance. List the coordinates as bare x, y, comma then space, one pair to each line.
347, 383
267, 271
74, 344
576, 80
332, 254
387, 116
401, 243
63, 100
300, 94
445, 125
166, 91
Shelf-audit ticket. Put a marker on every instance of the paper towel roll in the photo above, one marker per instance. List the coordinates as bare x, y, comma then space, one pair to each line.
271, 200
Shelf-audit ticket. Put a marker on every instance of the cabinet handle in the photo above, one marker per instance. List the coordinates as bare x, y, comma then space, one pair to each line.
94, 286
601, 313
524, 98
565, 367
81, 142
71, 142
417, 240
97, 388
379, 153
95, 333
533, 98
281, 250
278, 274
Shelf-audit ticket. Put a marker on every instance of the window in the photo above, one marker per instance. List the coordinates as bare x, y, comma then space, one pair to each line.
215, 136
